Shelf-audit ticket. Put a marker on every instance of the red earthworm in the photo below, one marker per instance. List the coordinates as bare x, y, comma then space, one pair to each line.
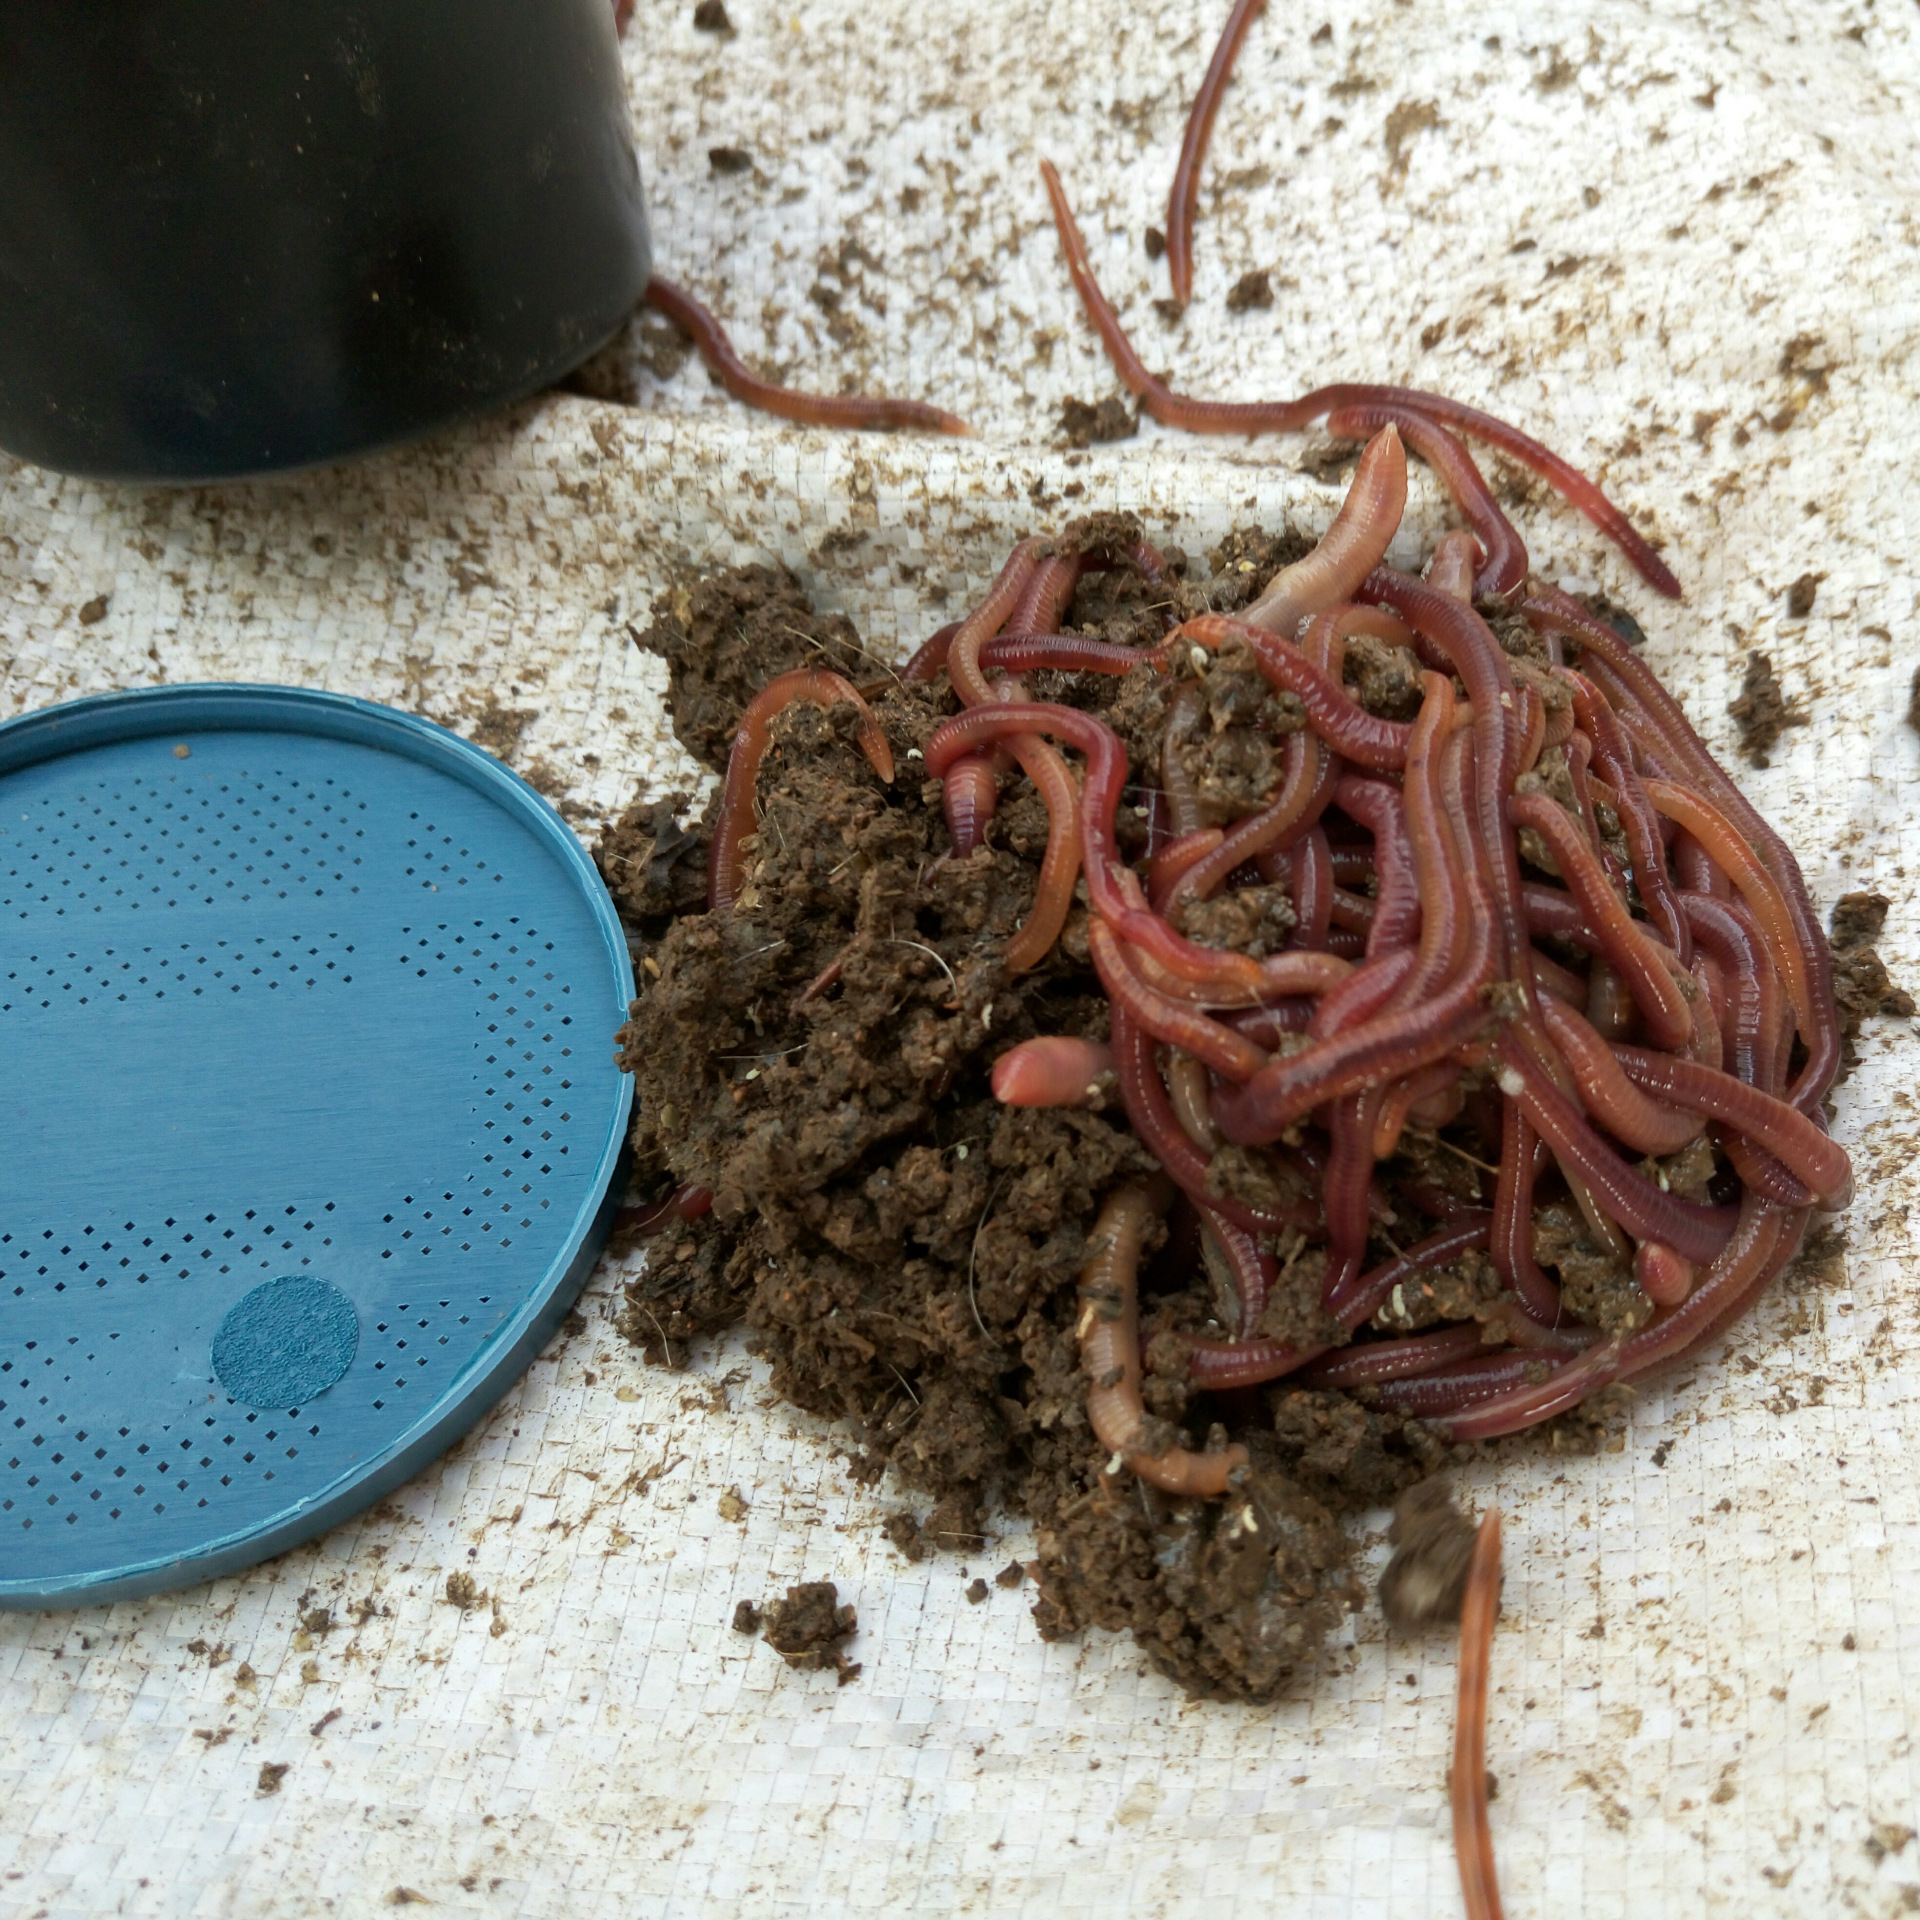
1436, 1394
1055, 1071
1218, 1364
1608, 1001
1265, 1026
1151, 1112
1533, 726
1472, 1828
1652, 715
1212, 416
1695, 869
1350, 548
1699, 1233
1754, 884
1381, 809
1064, 653
929, 660
1344, 944
1614, 758
1471, 650
1764, 1239
1335, 715
1379, 1360
1183, 797
1312, 889
1045, 598
1502, 568
1450, 566
1187, 1088
1553, 913
1209, 1041
1364, 992
1784, 1131
1561, 982
1252, 1267
1608, 1091
1511, 1244
1353, 866
810, 409
1655, 991
1403, 1097
1185, 198
968, 796
1344, 1187
685, 1203
734, 823
1173, 860
1354, 911
1560, 727
1664, 1277
1109, 1335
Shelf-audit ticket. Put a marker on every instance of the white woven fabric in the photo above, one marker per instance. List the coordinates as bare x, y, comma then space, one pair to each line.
1681, 252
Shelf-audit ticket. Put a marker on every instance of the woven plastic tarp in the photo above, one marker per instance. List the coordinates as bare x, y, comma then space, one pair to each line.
1681, 251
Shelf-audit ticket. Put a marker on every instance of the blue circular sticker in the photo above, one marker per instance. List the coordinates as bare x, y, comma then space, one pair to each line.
286, 1342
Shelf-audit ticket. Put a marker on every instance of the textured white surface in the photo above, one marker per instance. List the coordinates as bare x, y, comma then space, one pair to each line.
1708, 1672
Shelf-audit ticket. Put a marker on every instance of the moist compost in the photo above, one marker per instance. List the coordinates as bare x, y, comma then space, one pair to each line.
902, 1247
1762, 708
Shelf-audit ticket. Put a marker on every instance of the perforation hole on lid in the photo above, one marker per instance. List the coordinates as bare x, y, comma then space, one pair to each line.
169, 840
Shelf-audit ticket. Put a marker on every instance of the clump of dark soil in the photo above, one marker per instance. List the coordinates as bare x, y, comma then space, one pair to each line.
1253, 289
1862, 987
901, 1247
807, 1628
1763, 709
1083, 423
1425, 1579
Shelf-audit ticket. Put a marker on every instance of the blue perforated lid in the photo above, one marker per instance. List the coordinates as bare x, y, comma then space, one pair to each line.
306, 1046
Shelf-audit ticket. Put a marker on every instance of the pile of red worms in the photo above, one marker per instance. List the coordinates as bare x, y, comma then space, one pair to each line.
1538, 917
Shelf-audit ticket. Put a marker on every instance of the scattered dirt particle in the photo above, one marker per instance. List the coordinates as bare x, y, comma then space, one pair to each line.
272, 1772
1801, 594
1083, 423
318, 1620
1887, 1837
729, 159
1662, 1453
710, 16
746, 1617
1156, 243
407, 1897
903, 1530
94, 611
806, 1629
462, 1593
1254, 288
977, 1592
1425, 1580
732, 1507
1763, 709
1010, 1575
1862, 987
324, 1722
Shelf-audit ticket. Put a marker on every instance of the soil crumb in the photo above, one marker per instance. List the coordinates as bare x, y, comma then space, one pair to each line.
807, 1627
1085, 422
1913, 702
1155, 242
710, 16
1425, 1580
1862, 987
729, 159
1252, 289
746, 1617
1763, 710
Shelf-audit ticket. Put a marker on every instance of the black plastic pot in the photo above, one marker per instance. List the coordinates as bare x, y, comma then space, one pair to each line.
241, 235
